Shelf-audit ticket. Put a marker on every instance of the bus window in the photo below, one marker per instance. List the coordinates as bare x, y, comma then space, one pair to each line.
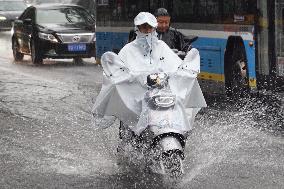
279, 32
282, 21
102, 2
213, 11
120, 10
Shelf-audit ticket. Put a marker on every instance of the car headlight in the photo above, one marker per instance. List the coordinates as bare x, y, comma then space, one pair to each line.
2, 18
12, 31
164, 101
48, 37
94, 37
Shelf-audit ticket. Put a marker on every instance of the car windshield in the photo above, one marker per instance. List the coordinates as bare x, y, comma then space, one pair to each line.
63, 16
49, 1
12, 6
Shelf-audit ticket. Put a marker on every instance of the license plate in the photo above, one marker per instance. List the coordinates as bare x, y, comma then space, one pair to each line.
76, 47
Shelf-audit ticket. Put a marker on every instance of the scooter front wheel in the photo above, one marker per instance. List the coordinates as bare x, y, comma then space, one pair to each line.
172, 165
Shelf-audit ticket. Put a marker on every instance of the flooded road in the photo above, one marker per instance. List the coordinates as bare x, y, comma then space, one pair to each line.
47, 138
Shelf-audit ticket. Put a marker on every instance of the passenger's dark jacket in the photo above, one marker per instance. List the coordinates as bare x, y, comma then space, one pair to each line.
173, 38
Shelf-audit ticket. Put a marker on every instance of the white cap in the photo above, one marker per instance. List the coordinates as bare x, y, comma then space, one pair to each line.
145, 17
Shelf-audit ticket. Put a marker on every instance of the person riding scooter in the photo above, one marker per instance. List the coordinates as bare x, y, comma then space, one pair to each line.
135, 61
171, 36
154, 94
147, 52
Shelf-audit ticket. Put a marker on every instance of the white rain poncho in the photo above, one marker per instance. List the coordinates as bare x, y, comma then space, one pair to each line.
124, 83
124, 88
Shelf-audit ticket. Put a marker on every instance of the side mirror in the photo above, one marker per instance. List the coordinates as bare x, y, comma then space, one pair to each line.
92, 15
28, 21
190, 39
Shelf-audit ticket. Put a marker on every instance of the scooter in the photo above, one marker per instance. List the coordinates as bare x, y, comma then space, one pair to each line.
156, 114
161, 141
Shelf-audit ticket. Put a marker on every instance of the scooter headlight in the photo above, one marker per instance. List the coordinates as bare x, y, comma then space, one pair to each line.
164, 101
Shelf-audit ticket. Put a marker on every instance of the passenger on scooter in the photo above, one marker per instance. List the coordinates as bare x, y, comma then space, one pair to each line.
173, 38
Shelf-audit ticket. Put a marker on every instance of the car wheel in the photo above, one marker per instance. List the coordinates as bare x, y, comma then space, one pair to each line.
35, 54
17, 55
78, 61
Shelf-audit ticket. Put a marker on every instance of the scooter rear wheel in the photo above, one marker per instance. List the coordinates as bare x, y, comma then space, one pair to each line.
125, 132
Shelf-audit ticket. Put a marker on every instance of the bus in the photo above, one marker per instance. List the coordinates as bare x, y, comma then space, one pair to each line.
241, 42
